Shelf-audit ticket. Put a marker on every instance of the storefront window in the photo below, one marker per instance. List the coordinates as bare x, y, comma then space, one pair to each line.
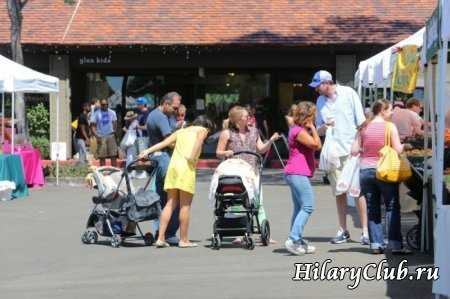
223, 90
105, 87
143, 86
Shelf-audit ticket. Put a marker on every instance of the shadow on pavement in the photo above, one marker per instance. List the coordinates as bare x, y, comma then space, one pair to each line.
404, 288
282, 251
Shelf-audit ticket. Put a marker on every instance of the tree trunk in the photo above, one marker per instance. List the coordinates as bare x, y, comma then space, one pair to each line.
15, 15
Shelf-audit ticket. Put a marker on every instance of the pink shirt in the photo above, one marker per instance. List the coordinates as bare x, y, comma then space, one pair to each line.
372, 140
301, 158
407, 122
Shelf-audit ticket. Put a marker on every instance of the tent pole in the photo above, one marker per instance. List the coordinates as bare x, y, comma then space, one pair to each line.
13, 127
3, 117
57, 140
440, 109
428, 115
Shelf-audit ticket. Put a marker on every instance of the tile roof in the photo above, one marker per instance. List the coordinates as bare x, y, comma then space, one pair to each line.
215, 22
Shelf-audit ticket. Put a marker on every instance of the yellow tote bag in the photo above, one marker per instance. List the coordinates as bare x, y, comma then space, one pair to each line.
392, 167
75, 124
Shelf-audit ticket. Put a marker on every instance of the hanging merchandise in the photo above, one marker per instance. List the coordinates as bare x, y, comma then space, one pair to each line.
406, 69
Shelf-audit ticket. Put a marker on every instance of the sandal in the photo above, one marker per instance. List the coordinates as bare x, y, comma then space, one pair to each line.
161, 244
187, 245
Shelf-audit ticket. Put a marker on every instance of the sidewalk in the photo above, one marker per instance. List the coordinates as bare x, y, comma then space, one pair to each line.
44, 258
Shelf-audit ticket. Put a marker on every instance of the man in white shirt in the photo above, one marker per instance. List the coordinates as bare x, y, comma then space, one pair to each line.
340, 107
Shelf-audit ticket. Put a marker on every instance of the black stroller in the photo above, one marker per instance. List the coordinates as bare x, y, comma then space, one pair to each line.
119, 207
231, 192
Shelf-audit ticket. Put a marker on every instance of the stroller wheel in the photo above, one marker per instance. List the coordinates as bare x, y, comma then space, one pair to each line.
413, 237
216, 242
249, 244
265, 232
89, 237
84, 237
149, 239
115, 241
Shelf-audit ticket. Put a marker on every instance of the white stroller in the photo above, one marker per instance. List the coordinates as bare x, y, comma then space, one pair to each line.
119, 207
236, 193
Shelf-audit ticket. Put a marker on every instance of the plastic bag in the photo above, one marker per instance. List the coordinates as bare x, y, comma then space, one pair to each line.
345, 181
329, 157
129, 139
355, 187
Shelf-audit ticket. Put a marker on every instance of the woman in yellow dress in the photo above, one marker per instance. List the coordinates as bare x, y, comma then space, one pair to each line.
180, 179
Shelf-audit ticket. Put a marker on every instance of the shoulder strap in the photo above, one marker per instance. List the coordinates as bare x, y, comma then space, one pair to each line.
387, 134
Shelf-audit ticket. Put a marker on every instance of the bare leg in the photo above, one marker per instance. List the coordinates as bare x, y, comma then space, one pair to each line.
361, 205
341, 204
172, 203
114, 162
185, 207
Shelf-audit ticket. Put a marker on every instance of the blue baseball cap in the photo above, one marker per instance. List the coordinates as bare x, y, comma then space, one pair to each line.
319, 78
141, 101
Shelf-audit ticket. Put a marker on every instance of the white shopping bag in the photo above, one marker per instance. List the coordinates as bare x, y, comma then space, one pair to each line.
329, 156
349, 178
129, 139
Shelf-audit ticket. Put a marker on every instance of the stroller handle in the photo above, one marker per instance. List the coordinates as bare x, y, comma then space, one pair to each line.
130, 166
258, 156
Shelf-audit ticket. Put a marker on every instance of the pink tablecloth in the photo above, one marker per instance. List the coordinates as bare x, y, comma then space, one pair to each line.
32, 165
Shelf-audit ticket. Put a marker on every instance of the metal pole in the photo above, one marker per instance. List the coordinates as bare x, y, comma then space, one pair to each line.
57, 140
429, 114
440, 113
3, 118
13, 127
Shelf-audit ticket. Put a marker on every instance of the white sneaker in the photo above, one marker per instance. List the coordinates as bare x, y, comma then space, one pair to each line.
294, 248
307, 248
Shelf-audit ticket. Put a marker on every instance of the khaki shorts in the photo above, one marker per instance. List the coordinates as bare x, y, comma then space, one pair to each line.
333, 176
107, 147
93, 147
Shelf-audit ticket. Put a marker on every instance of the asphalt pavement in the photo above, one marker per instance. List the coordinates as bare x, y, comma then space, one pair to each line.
41, 255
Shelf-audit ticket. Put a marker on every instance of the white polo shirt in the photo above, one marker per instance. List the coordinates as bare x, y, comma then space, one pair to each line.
347, 112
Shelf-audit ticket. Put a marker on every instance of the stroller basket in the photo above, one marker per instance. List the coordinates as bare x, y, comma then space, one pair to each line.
231, 191
143, 206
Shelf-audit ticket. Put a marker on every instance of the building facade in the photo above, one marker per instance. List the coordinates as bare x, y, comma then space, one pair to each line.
262, 52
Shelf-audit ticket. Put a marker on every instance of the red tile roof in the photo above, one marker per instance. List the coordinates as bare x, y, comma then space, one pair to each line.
212, 22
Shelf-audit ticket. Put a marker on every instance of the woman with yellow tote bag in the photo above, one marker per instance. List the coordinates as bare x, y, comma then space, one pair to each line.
392, 167
374, 135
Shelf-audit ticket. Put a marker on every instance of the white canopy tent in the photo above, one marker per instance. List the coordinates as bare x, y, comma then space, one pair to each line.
378, 69
376, 72
438, 95
14, 78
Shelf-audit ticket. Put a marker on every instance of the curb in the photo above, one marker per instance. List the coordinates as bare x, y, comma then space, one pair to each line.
66, 181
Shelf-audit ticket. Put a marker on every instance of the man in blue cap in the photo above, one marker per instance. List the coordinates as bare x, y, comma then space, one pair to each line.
340, 107
142, 135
